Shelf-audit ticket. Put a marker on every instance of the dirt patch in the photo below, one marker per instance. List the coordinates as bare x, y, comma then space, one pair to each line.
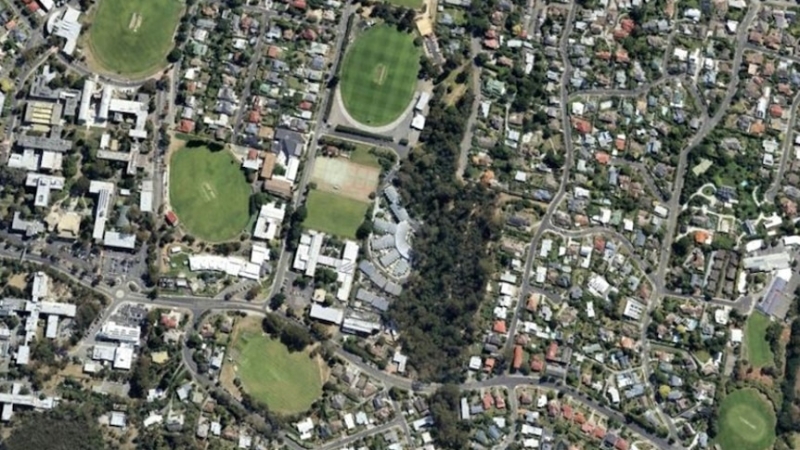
208, 192
19, 281
342, 177
135, 22
380, 74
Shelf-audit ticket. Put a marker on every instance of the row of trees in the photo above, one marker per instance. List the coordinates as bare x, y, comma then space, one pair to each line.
294, 336
452, 262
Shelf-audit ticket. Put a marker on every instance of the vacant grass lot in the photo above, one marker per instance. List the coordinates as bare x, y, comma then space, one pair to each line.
758, 352
334, 214
379, 75
747, 421
209, 193
287, 382
133, 37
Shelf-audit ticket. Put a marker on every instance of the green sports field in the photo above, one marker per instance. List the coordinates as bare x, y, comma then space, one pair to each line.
287, 382
758, 352
379, 75
209, 193
334, 214
747, 421
133, 37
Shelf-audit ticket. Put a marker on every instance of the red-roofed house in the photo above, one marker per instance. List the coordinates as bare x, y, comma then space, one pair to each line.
273, 51
492, 44
627, 24
775, 110
488, 401
587, 428
567, 411
305, 105
499, 401
186, 126
599, 243
619, 143
537, 364
309, 35
500, 327
488, 365
599, 433
602, 158
552, 351
518, 356
621, 444
169, 321
172, 218
299, 4
583, 126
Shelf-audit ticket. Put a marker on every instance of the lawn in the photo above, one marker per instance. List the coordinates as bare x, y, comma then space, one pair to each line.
413, 4
209, 193
747, 421
379, 75
133, 37
287, 382
334, 214
758, 352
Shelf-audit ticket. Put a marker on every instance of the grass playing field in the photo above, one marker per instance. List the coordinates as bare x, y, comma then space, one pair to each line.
287, 382
758, 352
747, 421
133, 37
334, 214
379, 75
209, 193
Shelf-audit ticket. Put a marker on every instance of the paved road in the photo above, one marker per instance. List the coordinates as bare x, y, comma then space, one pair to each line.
674, 202
475, 79
553, 206
320, 128
786, 149
258, 52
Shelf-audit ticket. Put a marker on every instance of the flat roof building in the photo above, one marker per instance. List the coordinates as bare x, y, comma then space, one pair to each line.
51, 331
270, 218
54, 144
230, 265
103, 352
767, 263
29, 227
146, 197
23, 355
112, 331
116, 239
123, 357
326, 314
44, 184
104, 191
85, 111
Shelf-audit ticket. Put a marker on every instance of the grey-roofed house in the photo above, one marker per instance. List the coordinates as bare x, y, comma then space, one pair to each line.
288, 142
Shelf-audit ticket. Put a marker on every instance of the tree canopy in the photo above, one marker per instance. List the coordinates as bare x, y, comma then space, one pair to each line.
452, 260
